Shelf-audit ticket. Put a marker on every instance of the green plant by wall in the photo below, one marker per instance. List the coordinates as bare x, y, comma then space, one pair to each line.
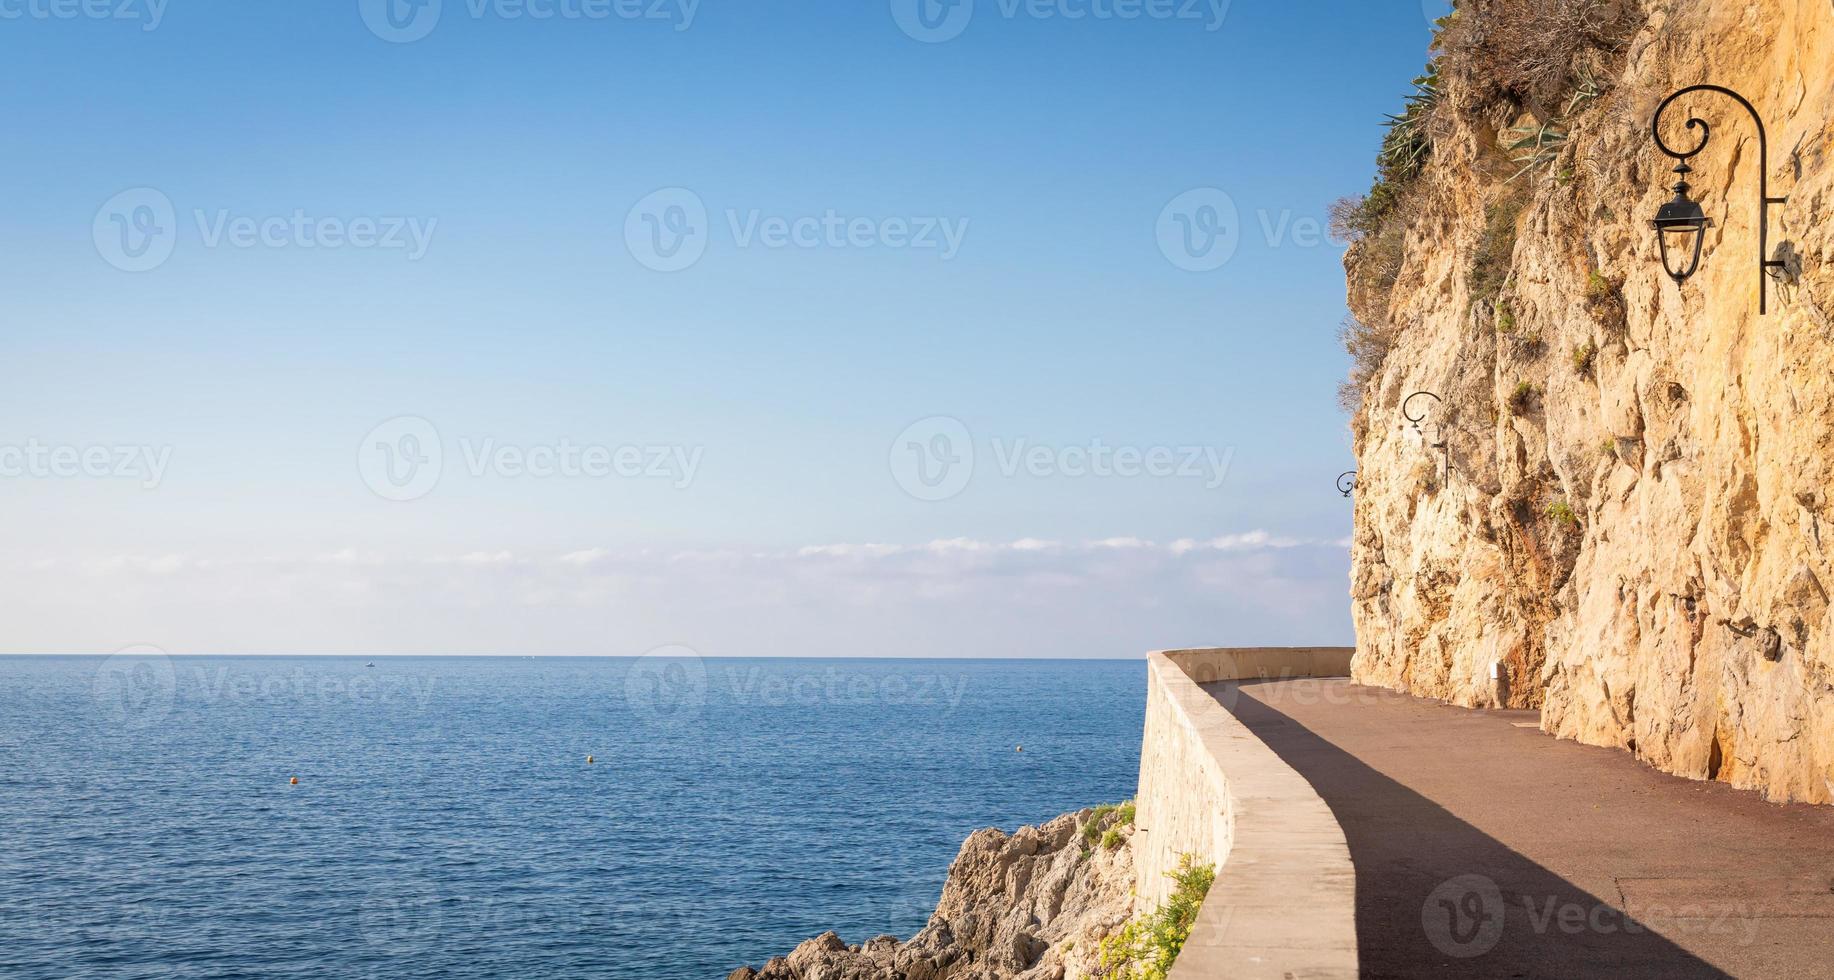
1123, 814
1146, 947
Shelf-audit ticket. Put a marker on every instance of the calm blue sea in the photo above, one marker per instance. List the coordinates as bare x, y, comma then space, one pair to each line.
446, 823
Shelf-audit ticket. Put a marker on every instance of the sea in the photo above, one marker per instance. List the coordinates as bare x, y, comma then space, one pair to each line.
278, 817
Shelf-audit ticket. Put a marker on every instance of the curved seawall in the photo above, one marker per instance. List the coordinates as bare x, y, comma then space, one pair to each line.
1284, 900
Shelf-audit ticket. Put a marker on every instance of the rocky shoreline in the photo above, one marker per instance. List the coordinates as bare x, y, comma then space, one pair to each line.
1031, 905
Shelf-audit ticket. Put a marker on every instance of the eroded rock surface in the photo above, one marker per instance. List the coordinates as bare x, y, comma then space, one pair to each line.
1640, 470
1031, 905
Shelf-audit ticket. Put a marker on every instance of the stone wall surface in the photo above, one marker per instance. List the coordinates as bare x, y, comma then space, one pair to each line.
1037, 904
1641, 473
1283, 904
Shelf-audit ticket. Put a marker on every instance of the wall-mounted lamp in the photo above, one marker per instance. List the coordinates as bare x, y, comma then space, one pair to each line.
1346, 483
1681, 224
1417, 418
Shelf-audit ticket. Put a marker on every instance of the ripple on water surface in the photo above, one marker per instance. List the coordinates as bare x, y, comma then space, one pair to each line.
446, 823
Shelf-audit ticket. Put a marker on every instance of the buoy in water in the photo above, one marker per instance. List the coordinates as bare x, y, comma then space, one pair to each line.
589, 760
1018, 748
294, 781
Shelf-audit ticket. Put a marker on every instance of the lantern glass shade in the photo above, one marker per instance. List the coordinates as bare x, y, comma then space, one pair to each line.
1681, 228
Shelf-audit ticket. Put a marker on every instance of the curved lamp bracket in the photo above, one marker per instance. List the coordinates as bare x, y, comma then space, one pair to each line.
1418, 417
1684, 215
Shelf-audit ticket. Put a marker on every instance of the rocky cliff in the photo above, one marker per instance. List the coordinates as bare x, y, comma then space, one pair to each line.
1032, 905
1620, 507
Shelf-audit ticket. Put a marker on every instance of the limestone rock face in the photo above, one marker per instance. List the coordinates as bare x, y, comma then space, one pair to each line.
1033, 905
1640, 471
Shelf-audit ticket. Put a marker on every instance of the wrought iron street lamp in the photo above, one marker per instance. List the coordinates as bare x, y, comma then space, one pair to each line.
1439, 428
1681, 224
1346, 483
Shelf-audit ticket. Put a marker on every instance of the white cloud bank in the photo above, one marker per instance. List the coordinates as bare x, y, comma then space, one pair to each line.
1115, 597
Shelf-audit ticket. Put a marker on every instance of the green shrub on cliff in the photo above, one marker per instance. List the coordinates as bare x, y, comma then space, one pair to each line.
1409, 142
1496, 251
1146, 947
1521, 398
1533, 147
1561, 513
1406, 147
1104, 826
1584, 355
1092, 831
1368, 347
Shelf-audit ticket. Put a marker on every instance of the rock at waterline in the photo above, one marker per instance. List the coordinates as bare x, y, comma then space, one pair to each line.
1032, 905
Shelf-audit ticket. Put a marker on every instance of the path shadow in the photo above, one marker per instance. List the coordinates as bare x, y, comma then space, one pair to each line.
1436, 897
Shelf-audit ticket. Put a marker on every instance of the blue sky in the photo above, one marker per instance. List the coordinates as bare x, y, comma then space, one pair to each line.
261, 245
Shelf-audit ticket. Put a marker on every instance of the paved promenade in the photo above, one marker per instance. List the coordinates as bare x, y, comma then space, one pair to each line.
1484, 848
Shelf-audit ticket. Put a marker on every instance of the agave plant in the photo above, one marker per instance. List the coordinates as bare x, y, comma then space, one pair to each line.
1408, 144
1586, 90
1534, 147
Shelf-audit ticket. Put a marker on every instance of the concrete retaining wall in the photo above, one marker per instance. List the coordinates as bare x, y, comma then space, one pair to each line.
1283, 905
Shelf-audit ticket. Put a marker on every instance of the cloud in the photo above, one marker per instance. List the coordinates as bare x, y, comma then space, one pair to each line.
484, 558
1250, 541
583, 558
1115, 596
